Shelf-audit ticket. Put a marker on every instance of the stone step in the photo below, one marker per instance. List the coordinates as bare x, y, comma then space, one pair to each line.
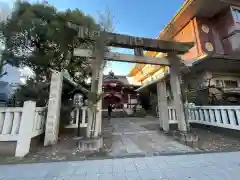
115, 114
90, 144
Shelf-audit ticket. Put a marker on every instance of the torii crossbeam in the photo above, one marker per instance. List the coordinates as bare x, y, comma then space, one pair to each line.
133, 42
113, 56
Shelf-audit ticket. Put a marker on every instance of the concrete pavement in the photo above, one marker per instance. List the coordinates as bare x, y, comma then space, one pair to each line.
212, 166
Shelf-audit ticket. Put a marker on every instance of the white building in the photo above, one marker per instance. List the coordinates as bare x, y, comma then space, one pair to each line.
13, 79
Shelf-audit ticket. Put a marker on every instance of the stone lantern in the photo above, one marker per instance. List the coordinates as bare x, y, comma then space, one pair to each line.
78, 100
78, 103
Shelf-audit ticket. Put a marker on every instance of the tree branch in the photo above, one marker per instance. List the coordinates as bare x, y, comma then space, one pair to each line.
3, 64
3, 74
28, 48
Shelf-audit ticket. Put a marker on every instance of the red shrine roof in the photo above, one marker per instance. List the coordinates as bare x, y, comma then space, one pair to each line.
119, 79
116, 78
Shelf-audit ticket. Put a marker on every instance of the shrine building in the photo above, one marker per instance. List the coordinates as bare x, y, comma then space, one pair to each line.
118, 92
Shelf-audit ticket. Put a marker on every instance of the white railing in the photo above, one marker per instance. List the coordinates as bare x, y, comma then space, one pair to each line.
10, 119
39, 121
21, 124
172, 115
219, 116
78, 116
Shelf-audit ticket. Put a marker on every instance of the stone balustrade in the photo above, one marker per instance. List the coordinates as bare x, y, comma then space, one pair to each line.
20, 124
218, 116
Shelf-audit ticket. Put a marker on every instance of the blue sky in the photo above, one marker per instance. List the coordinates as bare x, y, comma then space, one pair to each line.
133, 17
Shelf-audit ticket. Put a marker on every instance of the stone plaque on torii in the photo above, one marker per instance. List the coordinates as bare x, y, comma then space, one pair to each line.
139, 44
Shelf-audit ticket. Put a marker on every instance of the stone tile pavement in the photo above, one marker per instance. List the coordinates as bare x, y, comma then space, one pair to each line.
212, 166
130, 137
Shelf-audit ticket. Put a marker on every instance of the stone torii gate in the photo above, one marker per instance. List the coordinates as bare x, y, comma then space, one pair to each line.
139, 44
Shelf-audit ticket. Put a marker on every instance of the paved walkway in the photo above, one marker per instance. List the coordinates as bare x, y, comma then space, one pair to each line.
141, 136
214, 166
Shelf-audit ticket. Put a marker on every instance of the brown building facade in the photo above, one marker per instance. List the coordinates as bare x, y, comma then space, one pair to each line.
219, 34
214, 27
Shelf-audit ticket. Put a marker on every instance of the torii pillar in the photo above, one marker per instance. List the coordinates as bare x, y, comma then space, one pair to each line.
162, 105
175, 63
97, 80
99, 104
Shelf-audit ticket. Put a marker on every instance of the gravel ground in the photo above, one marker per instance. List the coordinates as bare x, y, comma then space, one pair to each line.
209, 141
65, 150
212, 141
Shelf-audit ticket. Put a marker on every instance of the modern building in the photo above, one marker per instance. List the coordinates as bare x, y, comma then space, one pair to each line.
118, 91
214, 61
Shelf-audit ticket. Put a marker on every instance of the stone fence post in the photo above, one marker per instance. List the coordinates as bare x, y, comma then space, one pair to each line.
25, 129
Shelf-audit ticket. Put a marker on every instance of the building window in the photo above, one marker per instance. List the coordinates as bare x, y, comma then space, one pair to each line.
230, 84
219, 83
236, 14
226, 83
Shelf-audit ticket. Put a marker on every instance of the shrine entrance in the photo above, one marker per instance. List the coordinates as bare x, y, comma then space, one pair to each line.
112, 99
173, 50
98, 56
